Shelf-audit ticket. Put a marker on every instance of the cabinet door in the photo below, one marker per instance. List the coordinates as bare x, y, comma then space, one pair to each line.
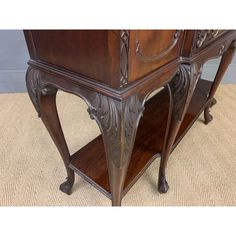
150, 49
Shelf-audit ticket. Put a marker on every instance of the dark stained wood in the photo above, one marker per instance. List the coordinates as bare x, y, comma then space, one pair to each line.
118, 122
202, 38
90, 161
187, 43
180, 94
44, 100
115, 71
100, 55
150, 49
191, 46
92, 53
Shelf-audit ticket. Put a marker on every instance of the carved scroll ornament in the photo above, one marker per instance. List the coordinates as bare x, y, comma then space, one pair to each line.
124, 51
179, 86
204, 36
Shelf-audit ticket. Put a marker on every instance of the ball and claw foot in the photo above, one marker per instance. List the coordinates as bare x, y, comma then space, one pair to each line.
162, 185
66, 187
213, 102
207, 116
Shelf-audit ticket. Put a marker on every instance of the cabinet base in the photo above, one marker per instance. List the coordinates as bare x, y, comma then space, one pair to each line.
90, 161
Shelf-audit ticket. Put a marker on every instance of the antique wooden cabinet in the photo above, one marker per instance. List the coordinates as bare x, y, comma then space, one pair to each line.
115, 71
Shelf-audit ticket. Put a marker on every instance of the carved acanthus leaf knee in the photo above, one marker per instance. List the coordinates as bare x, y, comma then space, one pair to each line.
179, 86
36, 88
182, 87
118, 121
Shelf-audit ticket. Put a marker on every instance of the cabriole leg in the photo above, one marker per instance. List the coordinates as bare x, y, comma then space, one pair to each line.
118, 121
225, 61
44, 100
180, 89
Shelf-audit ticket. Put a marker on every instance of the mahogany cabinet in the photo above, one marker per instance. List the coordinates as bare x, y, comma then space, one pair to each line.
115, 71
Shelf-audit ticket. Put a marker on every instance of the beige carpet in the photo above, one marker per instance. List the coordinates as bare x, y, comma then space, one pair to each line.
201, 170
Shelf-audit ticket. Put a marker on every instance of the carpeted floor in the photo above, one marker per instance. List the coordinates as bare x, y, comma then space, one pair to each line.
201, 170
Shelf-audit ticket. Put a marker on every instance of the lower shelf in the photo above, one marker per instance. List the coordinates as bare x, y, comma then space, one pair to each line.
90, 162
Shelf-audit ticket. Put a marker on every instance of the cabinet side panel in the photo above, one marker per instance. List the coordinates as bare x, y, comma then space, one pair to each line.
92, 53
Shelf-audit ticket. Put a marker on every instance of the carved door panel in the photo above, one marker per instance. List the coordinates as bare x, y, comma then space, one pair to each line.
150, 49
203, 37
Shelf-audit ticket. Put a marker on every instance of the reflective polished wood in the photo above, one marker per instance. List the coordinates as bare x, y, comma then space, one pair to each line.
115, 71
